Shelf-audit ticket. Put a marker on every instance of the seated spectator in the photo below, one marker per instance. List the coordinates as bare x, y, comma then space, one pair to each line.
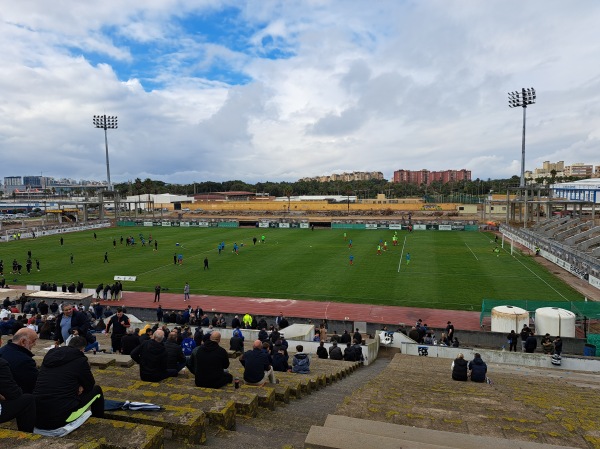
335, 337
301, 361
198, 336
358, 354
257, 369
280, 360
455, 343
66, 387
129, 342
209, 364
428, 339
13, 402
414, 334
477, 369
46, 330
20, 358
335, 352
188, 344
175, 357
349, 355
444, 340
345, 337
460, 368
263, 335
92, 344
322, 351
152, 358
236, 343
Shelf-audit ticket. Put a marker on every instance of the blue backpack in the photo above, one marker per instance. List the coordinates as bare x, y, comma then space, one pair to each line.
188, 345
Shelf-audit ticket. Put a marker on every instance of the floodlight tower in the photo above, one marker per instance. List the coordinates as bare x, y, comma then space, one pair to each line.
522, 99
106, 122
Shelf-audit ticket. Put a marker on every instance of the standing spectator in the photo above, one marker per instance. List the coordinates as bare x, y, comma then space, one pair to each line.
119, 323
159, 313
512, 338
478, 369
558, 344
152, 358
209, 363
524, 334
459, 368
530, 343
66, 387
547, 344
357, 336
322, 351
15, 404
450, 331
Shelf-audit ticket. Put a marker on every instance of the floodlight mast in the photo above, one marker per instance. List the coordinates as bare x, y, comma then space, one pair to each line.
522, 99
106, 122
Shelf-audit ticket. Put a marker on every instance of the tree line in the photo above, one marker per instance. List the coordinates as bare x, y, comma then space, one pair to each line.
360, 189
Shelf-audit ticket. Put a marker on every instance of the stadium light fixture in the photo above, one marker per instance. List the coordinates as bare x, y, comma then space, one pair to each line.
521, 99
106, 122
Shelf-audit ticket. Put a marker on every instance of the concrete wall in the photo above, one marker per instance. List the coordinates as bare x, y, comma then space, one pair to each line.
590, 364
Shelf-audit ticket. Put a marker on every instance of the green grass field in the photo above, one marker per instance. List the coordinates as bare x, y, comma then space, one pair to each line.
448, 270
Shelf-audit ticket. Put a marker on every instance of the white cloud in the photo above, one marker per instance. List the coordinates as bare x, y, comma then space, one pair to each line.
295, 89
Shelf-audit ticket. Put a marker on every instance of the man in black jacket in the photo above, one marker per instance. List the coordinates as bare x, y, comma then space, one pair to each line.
209, 363
67, 320
152, 358
175, 357
119, 322
14, 403
20, 358
66, 387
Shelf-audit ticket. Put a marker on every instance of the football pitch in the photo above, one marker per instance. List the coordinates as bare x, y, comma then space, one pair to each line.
447, 269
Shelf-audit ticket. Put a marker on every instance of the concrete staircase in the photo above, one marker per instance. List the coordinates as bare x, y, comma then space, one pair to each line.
342, 432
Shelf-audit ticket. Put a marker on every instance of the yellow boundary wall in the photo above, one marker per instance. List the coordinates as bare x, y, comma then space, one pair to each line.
282, 206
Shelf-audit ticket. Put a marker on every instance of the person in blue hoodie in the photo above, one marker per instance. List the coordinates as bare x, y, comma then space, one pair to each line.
477, 368
301, 361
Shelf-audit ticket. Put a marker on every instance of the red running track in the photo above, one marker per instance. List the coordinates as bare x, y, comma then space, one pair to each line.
314, 310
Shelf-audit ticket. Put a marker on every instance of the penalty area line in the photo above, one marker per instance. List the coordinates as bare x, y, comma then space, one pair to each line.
472, 252
402, 253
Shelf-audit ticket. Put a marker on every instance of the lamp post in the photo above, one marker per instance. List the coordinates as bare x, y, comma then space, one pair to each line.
522, 99
106, 122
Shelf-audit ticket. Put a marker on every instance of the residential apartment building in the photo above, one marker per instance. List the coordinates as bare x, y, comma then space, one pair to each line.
347, 177
427, 177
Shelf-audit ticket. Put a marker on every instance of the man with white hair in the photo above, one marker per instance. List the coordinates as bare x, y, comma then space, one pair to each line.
152, 358
20, 358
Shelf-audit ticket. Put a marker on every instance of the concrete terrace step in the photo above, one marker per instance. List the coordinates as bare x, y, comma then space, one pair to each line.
418, 391
13, 439
108, 434
404, 436
220, 412
246, 402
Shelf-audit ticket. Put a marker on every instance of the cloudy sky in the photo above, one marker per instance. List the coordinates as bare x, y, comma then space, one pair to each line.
278, 90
